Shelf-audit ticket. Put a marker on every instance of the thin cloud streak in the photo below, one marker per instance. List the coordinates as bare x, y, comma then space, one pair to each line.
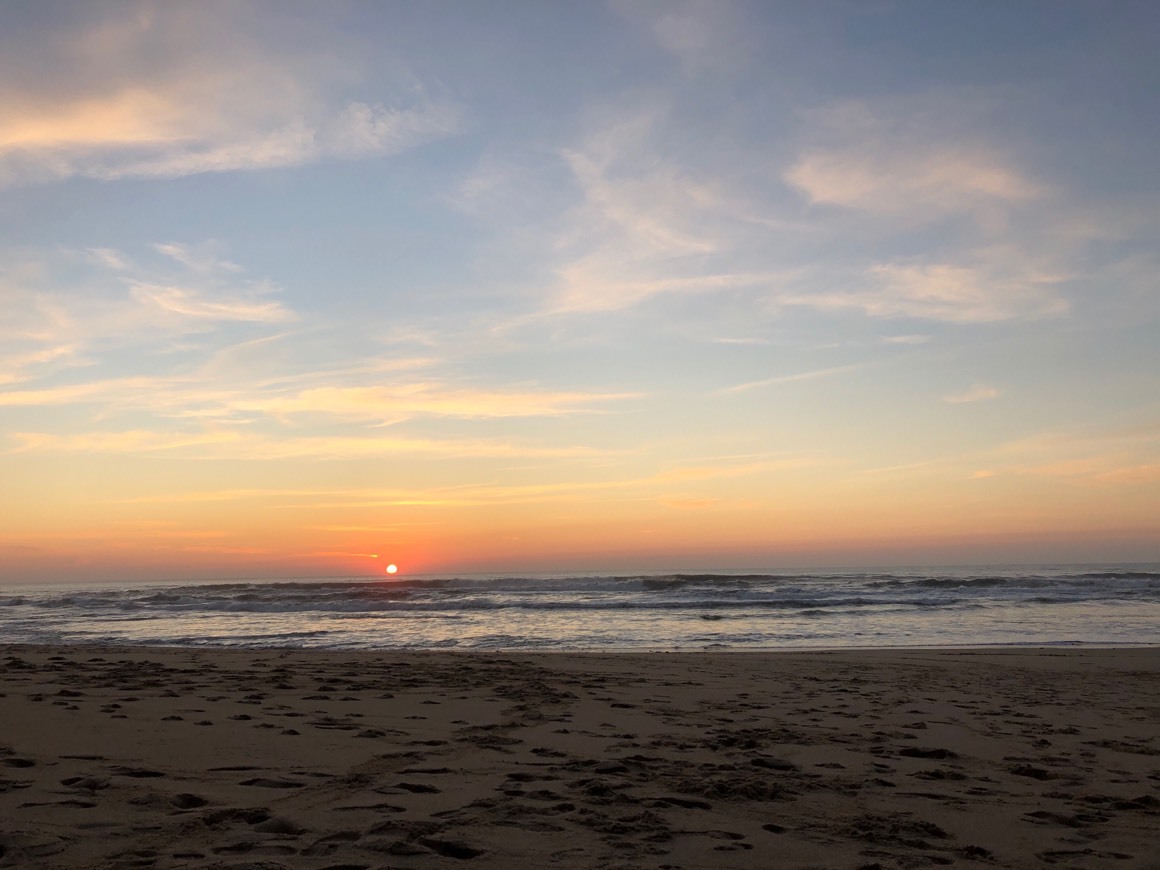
789, 379
977, 393
893, 183
996, 287
184, 397
483, 493
359, 130
216, 445
188, 304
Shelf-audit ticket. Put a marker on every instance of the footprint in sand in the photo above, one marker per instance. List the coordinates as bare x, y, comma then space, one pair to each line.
187, 801
279, 825
87, 783
272, 782
136, 772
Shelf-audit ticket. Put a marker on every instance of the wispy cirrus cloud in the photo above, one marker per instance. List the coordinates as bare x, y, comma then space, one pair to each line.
792, 378
164, 92
703, 35
911, 338
883, 180
914, 159
217, 392
60, 320
1088, 456
18, 367
656, 220
357, 130
592, 285
976, 393
1097, 455
135, 441
190, 305
430, 399
650, 223
240, 444
991, 285
930, 163
235, 397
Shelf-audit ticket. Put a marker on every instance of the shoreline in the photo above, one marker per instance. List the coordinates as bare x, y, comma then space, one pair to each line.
107, 646
183, 757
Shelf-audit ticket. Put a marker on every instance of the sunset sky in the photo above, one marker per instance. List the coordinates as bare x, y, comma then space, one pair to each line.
293, 289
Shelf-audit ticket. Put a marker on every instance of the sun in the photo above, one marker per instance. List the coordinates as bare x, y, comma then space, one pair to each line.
391, 569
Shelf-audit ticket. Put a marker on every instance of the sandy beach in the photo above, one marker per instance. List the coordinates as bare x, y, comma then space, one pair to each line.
167, 758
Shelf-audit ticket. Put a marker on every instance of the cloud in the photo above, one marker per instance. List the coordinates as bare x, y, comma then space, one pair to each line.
992, 288
431, 496
586, 488
324, 392
930, 163
729, 469
883, 180
236, 397
362, 129
649, 222
627, 190
713, 222
358, 130
1100, 456
111, 259
18, 367
658, 217
91, 391
133, 441
993, 285
1095, 456
78, 318
593, 285
428, 399
203, 258
233, 444
123, 302
977, 393
172, 91
917, 159
1130, 474
701, 34
189, 304
822, 218
689, 502
788, 379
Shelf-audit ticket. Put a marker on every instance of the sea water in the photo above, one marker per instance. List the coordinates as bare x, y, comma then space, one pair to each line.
915, 607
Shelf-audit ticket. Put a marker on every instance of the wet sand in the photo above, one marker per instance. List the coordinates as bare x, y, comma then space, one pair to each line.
166, 758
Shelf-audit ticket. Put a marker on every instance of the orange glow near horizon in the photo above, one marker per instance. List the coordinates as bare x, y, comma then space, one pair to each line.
645, 515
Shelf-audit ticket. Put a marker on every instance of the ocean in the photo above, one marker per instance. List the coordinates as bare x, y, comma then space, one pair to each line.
1117, 605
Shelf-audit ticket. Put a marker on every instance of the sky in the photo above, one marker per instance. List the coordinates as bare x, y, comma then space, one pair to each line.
304, 289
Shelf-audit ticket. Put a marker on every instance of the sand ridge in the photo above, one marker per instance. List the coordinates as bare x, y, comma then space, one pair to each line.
168, 758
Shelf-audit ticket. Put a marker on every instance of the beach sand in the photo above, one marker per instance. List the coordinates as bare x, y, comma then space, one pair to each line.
164, 758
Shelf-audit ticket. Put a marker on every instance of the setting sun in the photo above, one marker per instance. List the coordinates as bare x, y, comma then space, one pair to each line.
391, 569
